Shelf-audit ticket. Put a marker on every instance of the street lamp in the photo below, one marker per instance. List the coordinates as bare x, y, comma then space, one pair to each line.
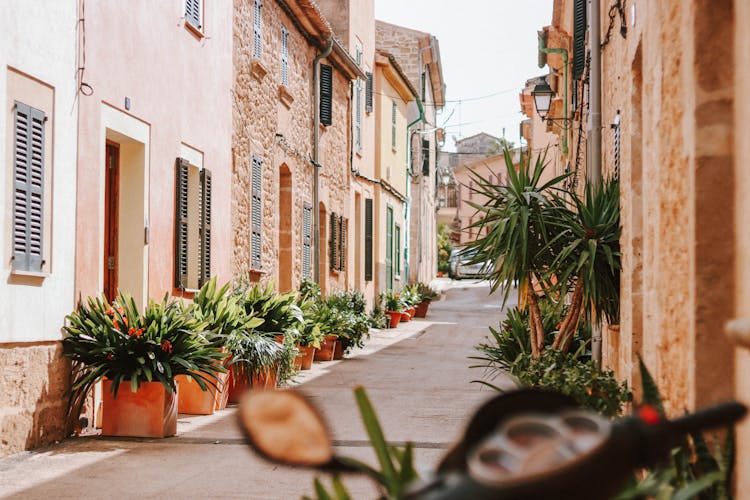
542, 95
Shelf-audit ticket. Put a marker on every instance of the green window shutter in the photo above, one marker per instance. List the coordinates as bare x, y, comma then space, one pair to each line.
258, 29
28, 188
368, 239
389, 247
342, 243
326, 94
333, 242
368, 93
205, 264
306, 240
181, 224
256, 214
397, 251
579, 38
193, 12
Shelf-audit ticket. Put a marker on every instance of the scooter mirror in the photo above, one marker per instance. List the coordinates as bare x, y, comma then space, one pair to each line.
284, 427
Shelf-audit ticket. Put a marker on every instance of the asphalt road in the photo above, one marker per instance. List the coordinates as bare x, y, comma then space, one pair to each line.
417, 377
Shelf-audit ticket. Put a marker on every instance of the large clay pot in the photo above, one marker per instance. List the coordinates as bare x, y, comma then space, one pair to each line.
405, 317
239, 384
305, 356
151, 411
412, 311
338, 351
395, 318
195, 401
325, 353
422, 307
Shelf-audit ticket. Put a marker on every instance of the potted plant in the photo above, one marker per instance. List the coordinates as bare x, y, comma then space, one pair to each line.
116, 344
426, 295
393, 307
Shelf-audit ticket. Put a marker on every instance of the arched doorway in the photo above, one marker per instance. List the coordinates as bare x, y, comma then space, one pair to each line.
285, 229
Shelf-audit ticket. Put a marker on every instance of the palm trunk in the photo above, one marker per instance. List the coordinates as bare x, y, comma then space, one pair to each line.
535, 322
570, 322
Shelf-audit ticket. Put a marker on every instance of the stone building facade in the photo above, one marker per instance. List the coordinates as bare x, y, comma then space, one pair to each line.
274, 127
674, 103
37, 71
418, 53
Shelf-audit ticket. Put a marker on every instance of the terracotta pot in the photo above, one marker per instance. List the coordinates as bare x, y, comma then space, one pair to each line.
395, 318
412, 311
305, 356
325, 353
405, 317
239, 384
279, 339
338, 351
421, 311
151, 411
195, 401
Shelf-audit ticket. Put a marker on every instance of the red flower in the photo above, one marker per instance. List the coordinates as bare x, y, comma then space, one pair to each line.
166, 346
138, 333
110, 312
116, 324
131, 331
649, 415
110, 357
125, 320
121, 311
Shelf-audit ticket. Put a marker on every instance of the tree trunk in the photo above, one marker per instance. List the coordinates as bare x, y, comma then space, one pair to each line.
535, 321
570, 322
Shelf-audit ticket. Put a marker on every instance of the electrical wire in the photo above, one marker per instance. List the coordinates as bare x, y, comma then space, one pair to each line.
83, 87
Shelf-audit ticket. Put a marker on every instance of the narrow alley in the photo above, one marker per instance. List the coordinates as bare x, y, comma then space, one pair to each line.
417, 377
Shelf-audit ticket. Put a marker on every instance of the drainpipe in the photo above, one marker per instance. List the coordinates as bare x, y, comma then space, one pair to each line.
316, 164
594, 139
543, 48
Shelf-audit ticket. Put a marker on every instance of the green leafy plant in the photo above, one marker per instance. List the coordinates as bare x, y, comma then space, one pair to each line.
352, 323
222, 311
425, 291
695, 470
392, 301
280, 312
378, 318
444, 248
116, 341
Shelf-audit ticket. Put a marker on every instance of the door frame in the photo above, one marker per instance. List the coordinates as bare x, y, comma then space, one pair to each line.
111, 220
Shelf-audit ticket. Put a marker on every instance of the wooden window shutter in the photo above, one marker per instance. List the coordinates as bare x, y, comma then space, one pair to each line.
368, 93
333, 242
368, 239
342, 243
306, 240
258, 30
256, 214
181, 224
326, 94
28, 188
193, 12
579, 38
284, 56
205, 239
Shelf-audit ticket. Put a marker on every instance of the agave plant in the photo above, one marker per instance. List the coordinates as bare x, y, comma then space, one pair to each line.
280, 312
117, 342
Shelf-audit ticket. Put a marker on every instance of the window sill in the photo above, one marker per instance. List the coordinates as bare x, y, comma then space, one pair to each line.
285, 96
255, 274
197, 33
257, 69
31, 274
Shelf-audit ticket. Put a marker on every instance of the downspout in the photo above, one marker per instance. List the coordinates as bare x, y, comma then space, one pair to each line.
316, 164
564, 52
594, 139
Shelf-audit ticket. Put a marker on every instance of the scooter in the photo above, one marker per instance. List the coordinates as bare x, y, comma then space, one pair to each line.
526, 444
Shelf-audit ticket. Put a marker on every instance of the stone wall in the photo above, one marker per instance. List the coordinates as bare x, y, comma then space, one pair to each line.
263, 110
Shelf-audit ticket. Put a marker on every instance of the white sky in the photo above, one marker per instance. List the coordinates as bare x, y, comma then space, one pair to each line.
486, 47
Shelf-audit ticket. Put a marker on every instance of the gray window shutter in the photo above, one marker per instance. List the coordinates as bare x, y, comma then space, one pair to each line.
28, 188
393, 124
368, 93
368, 239
257, 213
181, 224
358, 116
342, 243
205, 267
579, 38
334, 242
193, 12
258, 30
284, 56
306, 240
326, 94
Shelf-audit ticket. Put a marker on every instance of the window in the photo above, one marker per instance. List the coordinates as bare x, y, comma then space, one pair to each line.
284, 56
393, 125
389, 247
358, 107
337, 242
368, 93
397, 237
579, 38
425, 157
256, 214
258, 30
326, 94
192, 226
306, 240
28, 188
368, 239
194, 13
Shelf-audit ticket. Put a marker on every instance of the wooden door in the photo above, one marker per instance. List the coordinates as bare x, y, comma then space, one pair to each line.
111, 216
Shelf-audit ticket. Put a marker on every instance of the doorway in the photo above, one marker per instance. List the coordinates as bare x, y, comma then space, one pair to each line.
111, 218
285, 229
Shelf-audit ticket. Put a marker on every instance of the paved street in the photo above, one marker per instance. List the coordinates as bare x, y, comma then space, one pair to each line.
417, 377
